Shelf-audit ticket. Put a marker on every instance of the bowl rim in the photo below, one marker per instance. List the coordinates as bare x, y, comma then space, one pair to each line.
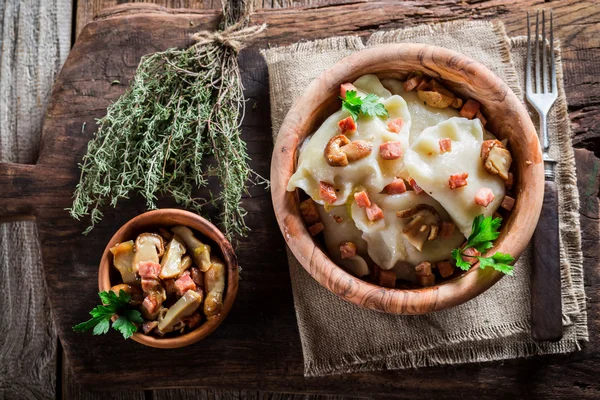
440, 61
204, 227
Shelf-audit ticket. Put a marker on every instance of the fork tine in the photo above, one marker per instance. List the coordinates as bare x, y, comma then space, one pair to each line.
528, 64
544, 59
537, 52
553, 66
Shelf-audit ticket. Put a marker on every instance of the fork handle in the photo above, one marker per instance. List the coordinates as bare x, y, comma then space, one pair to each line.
546, 302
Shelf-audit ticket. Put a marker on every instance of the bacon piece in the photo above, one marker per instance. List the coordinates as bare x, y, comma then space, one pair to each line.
316, 228
387, 278
469, 109
396, 187
150, 303
395, 125
184, 283
390, 150
192, 321
507, 203
327, 192
447, 229
446, 269
347, 250
346, 87
309, 212
423, 272
169, 285
338, 219
150, 285
149, 326
481, 118
445, 145
412, 82
484, 197
149, 269
362, 199
347, 126
374, 212
458, 180
414, 185
470, 252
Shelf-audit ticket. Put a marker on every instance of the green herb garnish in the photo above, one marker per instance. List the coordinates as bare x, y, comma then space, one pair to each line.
485, 231
112, 304
368, 105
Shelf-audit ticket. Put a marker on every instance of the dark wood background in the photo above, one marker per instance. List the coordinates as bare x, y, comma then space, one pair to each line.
541, 377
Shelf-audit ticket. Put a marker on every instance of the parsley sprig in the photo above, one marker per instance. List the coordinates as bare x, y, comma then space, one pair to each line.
485, 231
101, 315
368, 105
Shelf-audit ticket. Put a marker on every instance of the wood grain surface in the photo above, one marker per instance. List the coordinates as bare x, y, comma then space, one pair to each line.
509, 119
28, 342
546, 377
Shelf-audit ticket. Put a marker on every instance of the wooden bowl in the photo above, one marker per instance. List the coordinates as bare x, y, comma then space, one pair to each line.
151, 221
507, 118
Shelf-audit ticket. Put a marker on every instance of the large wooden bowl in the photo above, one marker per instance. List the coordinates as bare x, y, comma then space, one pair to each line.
507, 118
149, 222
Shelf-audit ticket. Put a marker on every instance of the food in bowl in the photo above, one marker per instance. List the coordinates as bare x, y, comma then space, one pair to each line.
170, 283
404, 182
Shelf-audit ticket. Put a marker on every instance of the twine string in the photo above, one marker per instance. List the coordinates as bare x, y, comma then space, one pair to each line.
235, 36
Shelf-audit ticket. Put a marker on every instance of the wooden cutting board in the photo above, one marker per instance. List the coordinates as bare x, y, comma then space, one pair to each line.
257, 347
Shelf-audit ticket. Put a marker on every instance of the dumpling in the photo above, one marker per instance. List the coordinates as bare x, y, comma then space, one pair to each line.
387, 245
337, 233
371, 84
371, 172
423, 116
432, 169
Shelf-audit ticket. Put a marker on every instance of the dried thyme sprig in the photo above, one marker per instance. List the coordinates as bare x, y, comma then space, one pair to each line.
182, 106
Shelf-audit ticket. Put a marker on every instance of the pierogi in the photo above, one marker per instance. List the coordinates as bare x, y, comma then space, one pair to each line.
397, 176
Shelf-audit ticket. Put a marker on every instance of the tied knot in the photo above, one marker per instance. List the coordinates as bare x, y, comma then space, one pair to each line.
235, 37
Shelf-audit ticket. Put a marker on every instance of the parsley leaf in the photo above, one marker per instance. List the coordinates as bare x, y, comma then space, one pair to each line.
101, 315
368, 105
352, 103
460, 263
484, 231
125, 326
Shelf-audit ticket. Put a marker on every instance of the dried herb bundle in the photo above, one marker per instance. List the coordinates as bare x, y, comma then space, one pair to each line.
182, 106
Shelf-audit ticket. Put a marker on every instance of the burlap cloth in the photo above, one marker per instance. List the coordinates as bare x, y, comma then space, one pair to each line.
338, 337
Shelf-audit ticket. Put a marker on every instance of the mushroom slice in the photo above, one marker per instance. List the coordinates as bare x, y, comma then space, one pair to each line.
199, 251
148, 247
136, 294
184, 307
123, 257
356, 150
434, 94
214, 282
172, 263
496, 158
333, 153
424, 226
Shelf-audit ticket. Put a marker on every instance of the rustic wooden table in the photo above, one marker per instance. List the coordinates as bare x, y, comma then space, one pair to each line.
271, 351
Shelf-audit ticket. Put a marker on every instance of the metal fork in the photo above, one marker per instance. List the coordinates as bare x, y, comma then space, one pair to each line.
546, 304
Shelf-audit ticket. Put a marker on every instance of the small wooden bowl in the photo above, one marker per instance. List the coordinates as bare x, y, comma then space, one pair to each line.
507, 118
151, 221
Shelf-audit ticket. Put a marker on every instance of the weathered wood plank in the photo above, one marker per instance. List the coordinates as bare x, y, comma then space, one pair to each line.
87, 9
212, 394
35, 38
72, 391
